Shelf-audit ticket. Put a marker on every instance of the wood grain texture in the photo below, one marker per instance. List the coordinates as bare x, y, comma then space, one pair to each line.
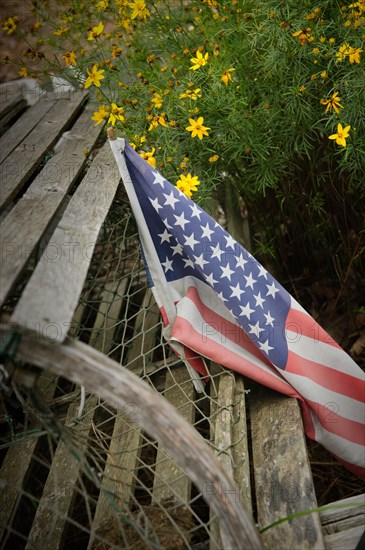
25, 224
27, 156
229, 437
170, 482
16, 465
23, 126
60, 488
49, 300
82, 364
283, 478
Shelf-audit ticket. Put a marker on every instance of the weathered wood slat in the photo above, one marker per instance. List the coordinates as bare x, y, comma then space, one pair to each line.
170, 482
8, 101
125, 448
228, 419
108, 315
240, 453
15, 468
344, 540
25, 158
59, 491
146, 324
23, 126
10, 109
48, 302
104, 377
344, 519
55, 504
283, 478
23, 227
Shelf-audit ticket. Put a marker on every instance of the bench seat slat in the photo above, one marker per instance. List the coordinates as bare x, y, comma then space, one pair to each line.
23, 126
27, 156
283, 478
25, 224
51, 296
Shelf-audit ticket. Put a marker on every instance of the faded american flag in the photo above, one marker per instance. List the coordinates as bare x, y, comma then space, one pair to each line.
217, 301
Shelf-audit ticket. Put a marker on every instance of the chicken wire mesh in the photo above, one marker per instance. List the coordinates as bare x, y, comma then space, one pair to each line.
78, 472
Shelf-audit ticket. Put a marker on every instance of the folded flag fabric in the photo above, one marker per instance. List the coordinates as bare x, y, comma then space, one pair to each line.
218, 302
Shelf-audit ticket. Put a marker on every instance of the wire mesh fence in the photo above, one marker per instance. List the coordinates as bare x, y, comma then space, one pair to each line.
79, 472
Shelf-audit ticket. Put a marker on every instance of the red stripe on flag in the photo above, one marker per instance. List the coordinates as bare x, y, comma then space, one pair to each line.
184, 332
228, 330
337, 424
331, 379
304, 325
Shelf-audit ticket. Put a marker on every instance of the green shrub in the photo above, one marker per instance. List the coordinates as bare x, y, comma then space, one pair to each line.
277, 85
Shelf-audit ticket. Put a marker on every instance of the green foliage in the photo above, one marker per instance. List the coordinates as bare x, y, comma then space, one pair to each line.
279, 79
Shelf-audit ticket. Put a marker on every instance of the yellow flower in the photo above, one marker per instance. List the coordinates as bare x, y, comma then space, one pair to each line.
332, 103
343, 52
103, 5
354, 54
139, 10
191, 94
341, 136
196, 128
214, 158
324, 74
227, 76
304, 35
199, 61
23, 72
359, 5
70, 58
37, 25
100, 115
10, 24
157, 100
60, 32
315, 51
149, 157
116, 113
96, 31
116, 52
156, 120
95, 76
187, 184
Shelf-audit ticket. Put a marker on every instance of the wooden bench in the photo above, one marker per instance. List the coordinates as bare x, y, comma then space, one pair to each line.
80, 469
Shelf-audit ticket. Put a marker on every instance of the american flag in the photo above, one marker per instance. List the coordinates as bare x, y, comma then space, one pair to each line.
220, 303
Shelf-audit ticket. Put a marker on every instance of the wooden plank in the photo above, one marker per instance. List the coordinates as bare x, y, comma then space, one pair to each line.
345, 540
82, 364
229, 436
283, 478
27, 156
23, 227
126, 443
240, 453
170, 482
23, 126
342, 519
16, 465
8, 100
15, 107
59, 491
146, 323
108, 315
49, 300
